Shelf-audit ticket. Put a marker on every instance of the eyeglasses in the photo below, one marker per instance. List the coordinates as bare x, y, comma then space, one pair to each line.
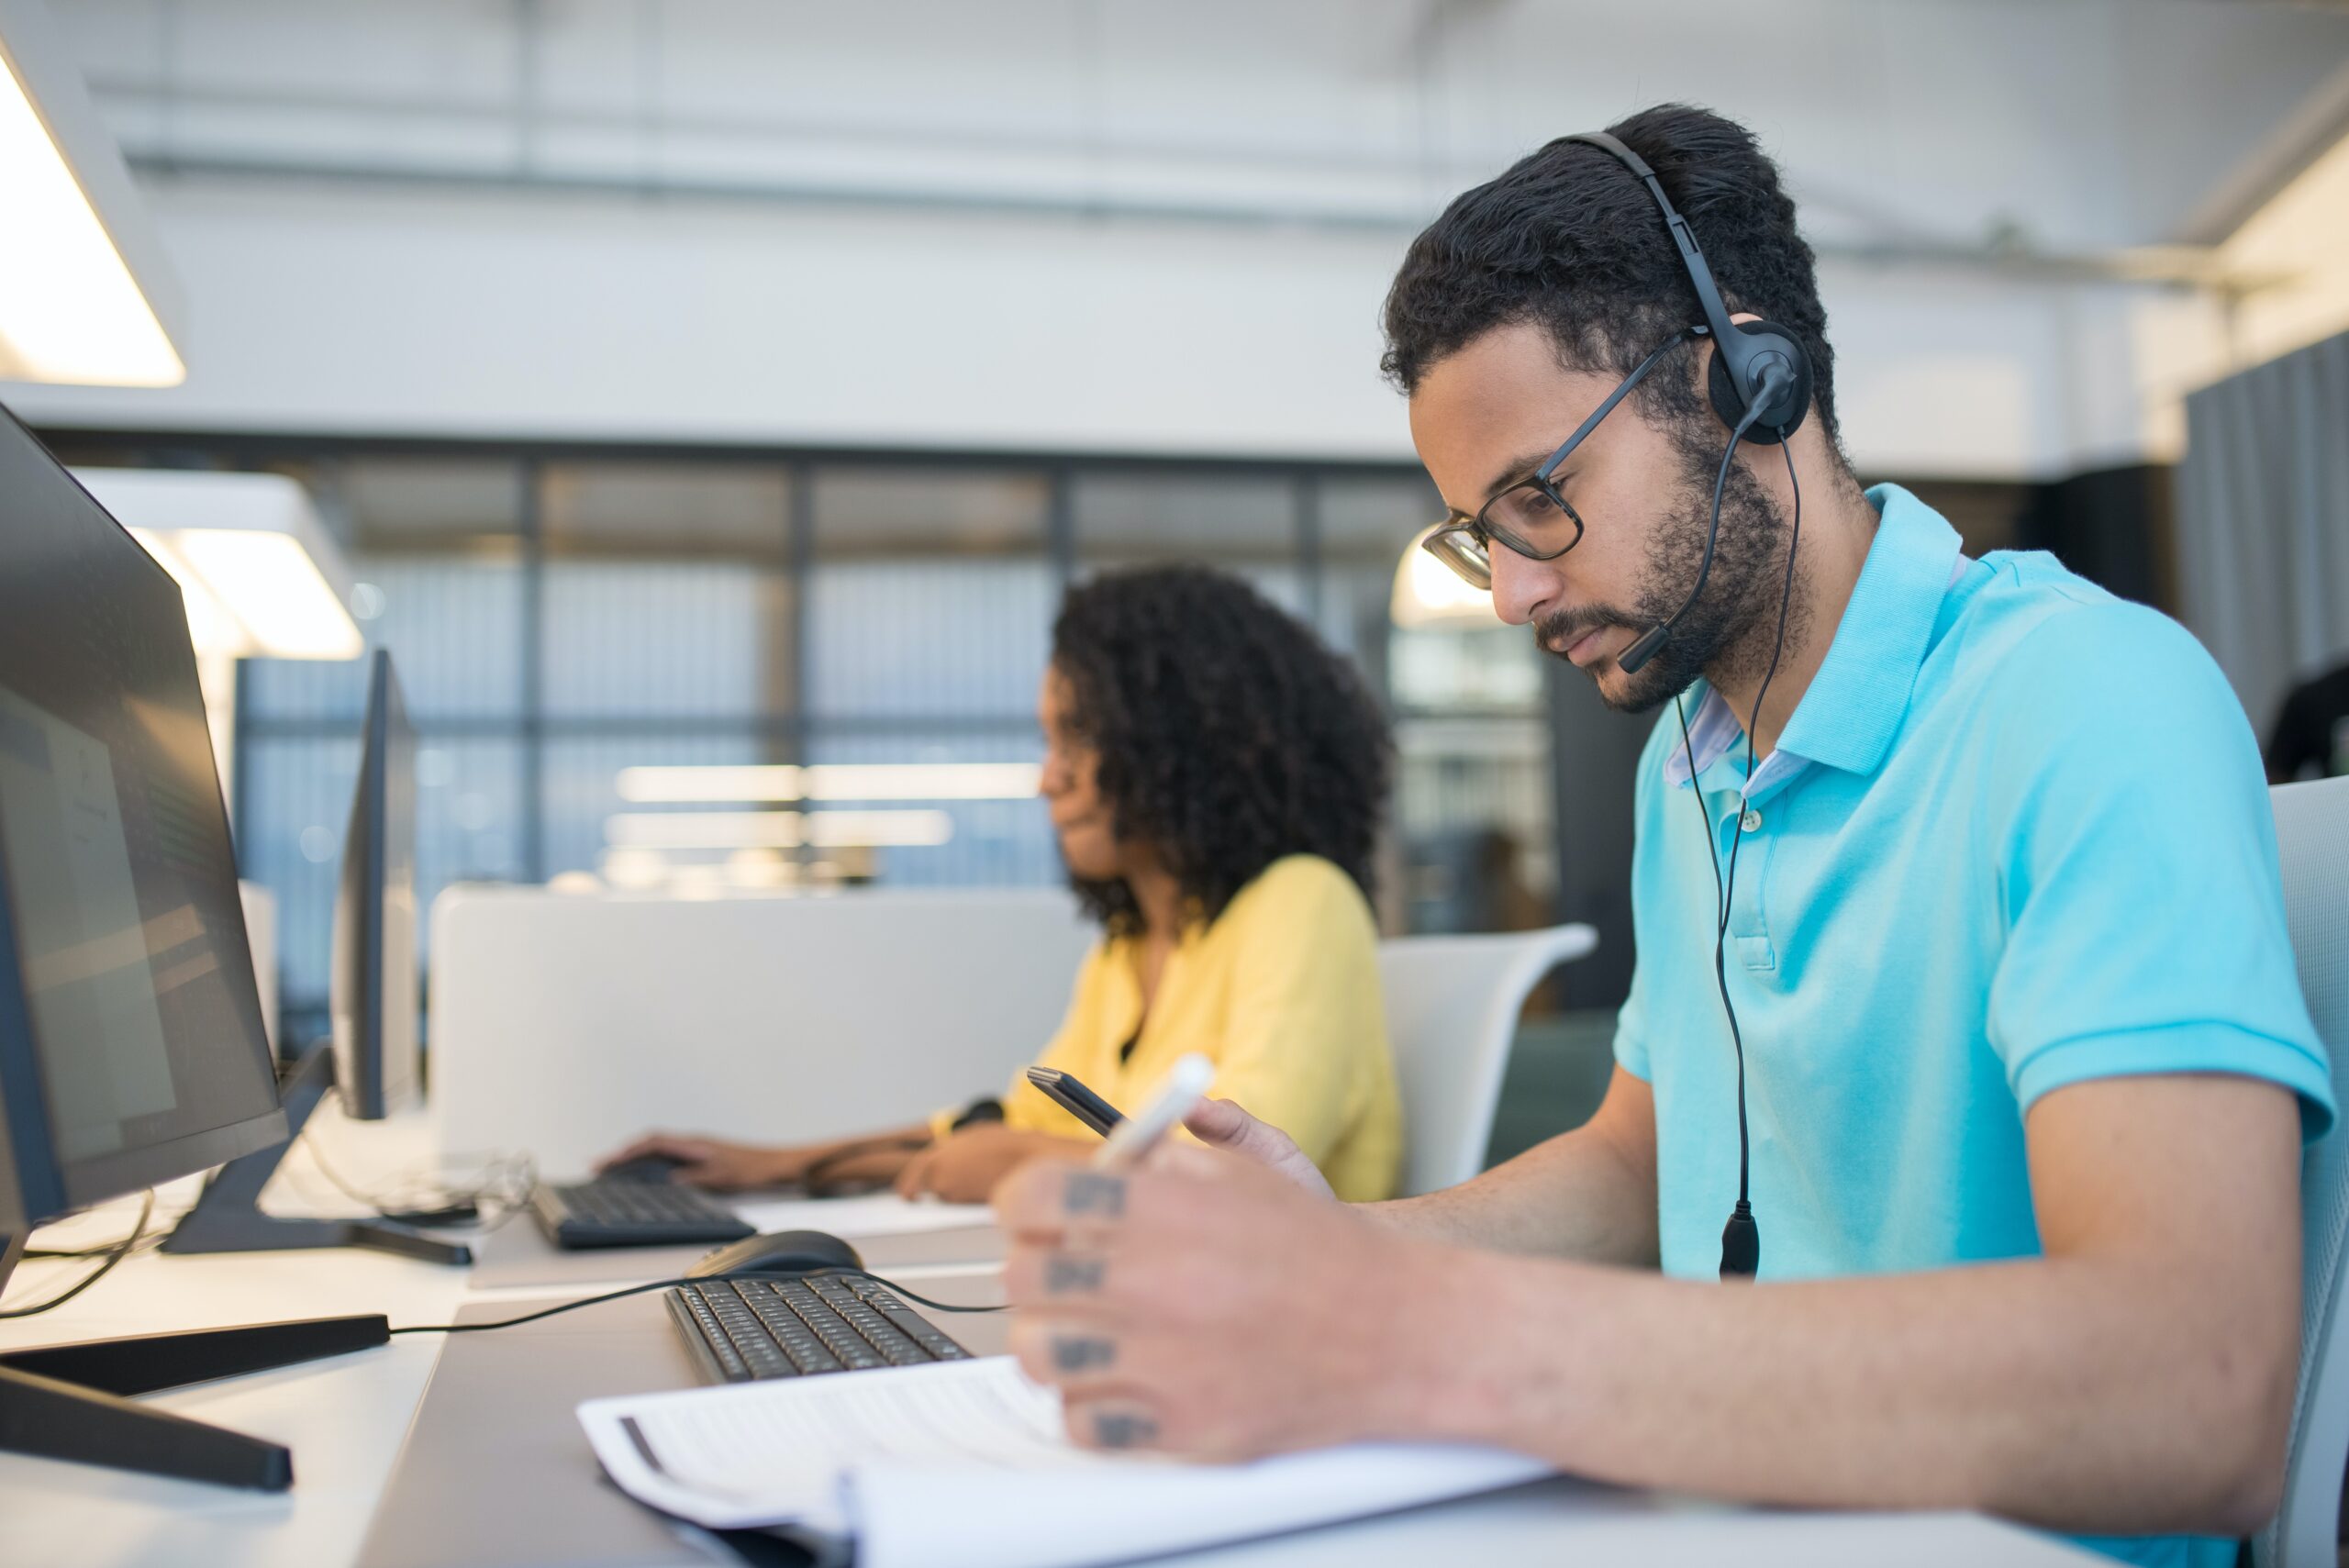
1532, 510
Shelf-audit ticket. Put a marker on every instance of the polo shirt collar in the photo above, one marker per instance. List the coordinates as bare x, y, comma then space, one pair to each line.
1849, 715
1851, 712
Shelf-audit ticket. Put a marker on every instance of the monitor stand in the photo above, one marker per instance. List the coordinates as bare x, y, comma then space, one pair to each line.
227, 1218
71, 1402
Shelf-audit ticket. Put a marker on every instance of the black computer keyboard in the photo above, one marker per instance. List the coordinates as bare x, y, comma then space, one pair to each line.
632, 1214
740, 1330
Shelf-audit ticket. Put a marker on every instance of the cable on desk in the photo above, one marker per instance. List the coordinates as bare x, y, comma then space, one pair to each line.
120, 1250
500, 1191
671, 1283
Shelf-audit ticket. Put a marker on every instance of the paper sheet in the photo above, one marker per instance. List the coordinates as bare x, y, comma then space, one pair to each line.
964, 1465
855, 1219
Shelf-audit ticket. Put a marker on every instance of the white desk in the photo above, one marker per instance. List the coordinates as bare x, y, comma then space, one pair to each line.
345, 1418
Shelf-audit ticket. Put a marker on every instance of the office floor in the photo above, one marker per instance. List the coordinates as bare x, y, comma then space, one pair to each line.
1557, 1074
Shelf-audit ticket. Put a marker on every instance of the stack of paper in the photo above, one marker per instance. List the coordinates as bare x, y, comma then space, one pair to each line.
964, 1464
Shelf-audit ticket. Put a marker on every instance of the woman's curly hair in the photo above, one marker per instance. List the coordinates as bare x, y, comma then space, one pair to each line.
1229, 736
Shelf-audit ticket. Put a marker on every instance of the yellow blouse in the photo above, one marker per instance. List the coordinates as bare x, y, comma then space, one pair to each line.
1281, 993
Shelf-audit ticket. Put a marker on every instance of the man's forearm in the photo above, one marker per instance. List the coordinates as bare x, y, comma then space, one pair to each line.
2041, 1390
1580, 1195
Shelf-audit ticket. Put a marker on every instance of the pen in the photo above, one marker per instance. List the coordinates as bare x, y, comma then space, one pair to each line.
1134, 1137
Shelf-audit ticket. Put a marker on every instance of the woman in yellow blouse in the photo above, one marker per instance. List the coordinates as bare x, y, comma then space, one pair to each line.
1215, 777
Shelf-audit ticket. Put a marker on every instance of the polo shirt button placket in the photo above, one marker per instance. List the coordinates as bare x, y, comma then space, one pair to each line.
1747, 927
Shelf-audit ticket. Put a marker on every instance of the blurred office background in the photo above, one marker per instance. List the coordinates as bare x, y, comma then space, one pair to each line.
723, 382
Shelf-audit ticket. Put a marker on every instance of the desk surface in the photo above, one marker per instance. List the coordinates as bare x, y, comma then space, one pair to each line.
345, 1420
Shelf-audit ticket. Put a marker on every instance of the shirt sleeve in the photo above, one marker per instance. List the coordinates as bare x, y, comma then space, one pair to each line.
1631, 1033
1306, 1010
2137, 869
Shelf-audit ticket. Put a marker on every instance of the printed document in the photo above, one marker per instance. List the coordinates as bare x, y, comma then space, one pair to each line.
964, 1464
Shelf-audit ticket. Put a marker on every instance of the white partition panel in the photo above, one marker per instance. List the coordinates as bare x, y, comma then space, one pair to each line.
563, 1025
261, 935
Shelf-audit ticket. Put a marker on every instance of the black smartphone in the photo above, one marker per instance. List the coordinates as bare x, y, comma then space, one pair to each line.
1074, 1097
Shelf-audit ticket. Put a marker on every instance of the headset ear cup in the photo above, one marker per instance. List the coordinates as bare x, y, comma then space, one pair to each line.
1732, 407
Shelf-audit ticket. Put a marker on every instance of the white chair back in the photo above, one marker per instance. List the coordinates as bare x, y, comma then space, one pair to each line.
2312, 838
564, 1025
1452, 1007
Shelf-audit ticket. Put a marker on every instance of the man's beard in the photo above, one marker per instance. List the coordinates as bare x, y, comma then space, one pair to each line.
1732, 627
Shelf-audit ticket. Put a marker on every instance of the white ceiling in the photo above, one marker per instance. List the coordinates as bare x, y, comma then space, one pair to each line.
2063, 127
1112, 225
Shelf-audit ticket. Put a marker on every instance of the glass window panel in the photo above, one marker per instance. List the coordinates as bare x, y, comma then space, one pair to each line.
454, 625
1125, 517
1474, 808
665, 639
297, 807
1367, 520
1353, 618
958, 639
580, 787
297, 795
993, 843
470, 812
905, 511
740, 510
1438, 667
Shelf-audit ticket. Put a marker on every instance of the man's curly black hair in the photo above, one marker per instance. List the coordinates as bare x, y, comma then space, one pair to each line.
1229, 736
1568, 237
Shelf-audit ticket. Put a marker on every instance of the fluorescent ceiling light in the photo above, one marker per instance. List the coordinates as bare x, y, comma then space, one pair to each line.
1429, 593
259, 574
775, 830
275, 585
829, 781
72, 307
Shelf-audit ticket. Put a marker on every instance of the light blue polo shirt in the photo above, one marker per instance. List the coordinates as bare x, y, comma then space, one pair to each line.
2016, 836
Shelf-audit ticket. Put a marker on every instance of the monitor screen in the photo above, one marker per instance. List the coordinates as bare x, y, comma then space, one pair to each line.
374, 990
125, 958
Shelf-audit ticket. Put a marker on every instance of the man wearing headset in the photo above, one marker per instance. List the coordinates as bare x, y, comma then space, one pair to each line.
1964, 992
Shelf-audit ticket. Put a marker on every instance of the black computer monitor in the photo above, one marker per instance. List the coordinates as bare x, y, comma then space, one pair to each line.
131, 1046
372, 989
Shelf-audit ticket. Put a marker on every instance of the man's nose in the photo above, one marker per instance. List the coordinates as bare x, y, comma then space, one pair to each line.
1521, 587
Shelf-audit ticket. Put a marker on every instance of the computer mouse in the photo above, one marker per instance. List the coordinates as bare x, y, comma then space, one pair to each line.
779, 1251
644, 1168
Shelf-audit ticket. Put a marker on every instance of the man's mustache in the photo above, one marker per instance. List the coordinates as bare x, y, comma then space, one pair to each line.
1561, 630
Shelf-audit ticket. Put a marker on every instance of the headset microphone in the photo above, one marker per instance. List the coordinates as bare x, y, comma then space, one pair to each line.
1650, 641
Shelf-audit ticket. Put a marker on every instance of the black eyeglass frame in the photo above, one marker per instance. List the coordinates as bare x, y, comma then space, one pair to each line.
1461, 541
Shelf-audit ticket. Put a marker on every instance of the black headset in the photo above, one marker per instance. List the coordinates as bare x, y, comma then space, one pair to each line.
1761, 385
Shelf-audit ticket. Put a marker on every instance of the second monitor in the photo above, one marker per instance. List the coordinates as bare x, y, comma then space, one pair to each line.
372, 1057
372, 989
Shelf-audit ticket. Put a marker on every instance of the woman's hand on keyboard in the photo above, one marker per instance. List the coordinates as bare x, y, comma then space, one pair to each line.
714, 1163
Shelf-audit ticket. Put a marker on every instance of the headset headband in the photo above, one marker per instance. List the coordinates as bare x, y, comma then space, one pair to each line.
1746, 351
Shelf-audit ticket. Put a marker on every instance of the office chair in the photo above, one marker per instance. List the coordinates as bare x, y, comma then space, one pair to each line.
1452, 1007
